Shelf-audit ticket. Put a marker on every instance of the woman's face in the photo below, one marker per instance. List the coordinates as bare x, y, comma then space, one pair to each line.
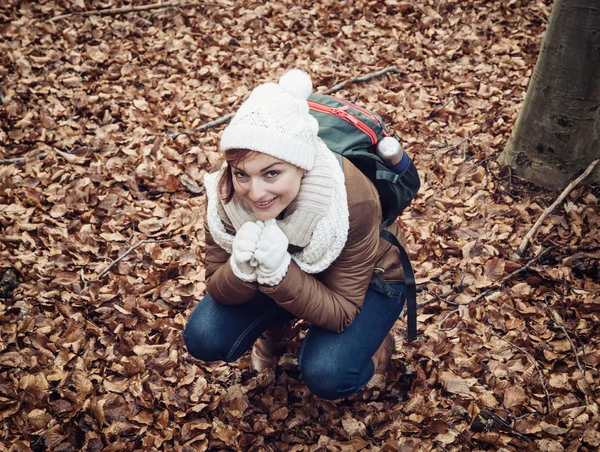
266, 184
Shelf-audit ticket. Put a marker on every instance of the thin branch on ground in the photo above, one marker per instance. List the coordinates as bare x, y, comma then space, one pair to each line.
532, 361
174, 135
550, 209
338, 87
571, 326
131, 9
437, 110
202, 128
557, 320
83, 280
456, 289
442, 298
129, 251
446, 317
363, 78
513, 274
460, 433
444, 143
215, 123
22, 160
69, 156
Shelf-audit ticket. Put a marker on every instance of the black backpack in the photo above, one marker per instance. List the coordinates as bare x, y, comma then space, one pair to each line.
353, 132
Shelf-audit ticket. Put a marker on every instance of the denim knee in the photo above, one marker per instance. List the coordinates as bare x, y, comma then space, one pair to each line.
329, 379
205, 344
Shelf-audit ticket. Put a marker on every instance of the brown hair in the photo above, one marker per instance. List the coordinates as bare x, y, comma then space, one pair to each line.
233, 157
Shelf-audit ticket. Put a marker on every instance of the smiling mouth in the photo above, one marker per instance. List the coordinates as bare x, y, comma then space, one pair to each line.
265, 204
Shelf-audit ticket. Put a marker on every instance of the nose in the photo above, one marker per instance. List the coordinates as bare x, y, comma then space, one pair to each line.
257, 191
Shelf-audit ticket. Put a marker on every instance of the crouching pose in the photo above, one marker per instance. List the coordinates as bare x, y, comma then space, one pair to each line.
292, 234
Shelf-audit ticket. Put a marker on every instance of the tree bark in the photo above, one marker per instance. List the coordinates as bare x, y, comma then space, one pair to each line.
557, 133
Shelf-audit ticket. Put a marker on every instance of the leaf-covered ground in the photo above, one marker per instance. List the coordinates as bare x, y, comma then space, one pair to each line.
94, 360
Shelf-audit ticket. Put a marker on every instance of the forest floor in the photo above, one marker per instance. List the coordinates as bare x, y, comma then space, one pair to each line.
103, 114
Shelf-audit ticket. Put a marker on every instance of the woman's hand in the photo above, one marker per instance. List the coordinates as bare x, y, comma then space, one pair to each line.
272, 255
242, 259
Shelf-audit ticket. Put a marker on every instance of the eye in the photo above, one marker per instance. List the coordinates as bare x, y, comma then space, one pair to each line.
240, 175
272, 174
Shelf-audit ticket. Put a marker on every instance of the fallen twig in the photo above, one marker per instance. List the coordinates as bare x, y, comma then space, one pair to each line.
456, 289
437, 110
22, 160
338, 87
557, 320
466, 438
363, 78
549, 210
203, 127
513, 274
131, 9
217, 122
129, 251
532, 361
446, 317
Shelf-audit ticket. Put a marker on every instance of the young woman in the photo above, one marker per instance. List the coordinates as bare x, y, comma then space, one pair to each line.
292, 234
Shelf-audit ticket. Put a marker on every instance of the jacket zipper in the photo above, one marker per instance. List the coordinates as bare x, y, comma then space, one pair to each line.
341, 113
366, 112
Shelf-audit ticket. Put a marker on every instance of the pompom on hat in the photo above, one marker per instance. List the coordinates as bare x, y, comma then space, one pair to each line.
274, 120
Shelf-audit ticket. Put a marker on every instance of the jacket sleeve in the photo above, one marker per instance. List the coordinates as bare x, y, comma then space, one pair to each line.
221, 283
333, 298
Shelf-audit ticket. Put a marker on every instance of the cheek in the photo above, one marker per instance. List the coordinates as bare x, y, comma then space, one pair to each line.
293, 187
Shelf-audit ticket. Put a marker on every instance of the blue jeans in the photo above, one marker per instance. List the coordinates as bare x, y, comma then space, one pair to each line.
333, 365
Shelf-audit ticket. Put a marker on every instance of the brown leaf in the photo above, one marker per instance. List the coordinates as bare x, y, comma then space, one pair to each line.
353, 426
549, 445
140, 104
455, 384
494, 269
514, 396
591, 437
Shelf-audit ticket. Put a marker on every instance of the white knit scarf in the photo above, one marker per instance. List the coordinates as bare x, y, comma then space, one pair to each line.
317, 220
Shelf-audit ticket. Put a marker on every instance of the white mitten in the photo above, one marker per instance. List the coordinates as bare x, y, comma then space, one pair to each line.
242, 253
272, 255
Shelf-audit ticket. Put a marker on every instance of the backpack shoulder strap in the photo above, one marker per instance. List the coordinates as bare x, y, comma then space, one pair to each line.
409, 281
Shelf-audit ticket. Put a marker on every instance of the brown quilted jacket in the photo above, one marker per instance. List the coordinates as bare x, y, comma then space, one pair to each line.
330, 299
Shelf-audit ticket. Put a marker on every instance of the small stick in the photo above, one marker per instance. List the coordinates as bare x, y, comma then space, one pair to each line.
363, 78
549, 210
203, 127
444, 143
437, 110
532, 361
446, 318
83, 280
441, 298
458, 288
217, 122
21, 160
556, 319
460, 433
338, 87
513, 274
130, 250
183, 132
131, 9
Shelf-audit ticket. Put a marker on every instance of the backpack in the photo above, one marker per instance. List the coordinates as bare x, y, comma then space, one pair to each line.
353, 132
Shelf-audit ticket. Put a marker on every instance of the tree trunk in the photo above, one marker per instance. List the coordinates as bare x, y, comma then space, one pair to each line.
557, 133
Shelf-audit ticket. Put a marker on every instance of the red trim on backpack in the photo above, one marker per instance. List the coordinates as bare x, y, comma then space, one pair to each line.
341, 113
366, 112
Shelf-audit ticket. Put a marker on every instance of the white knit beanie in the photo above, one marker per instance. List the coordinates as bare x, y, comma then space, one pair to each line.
274, 120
